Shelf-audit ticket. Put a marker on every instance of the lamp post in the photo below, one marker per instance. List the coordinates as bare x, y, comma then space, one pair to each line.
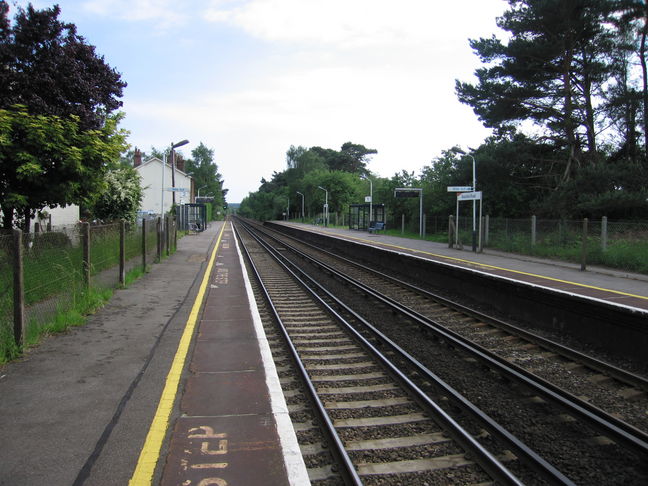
302, 207
370, 198
287, 208
173, 147
325, 205
474, 189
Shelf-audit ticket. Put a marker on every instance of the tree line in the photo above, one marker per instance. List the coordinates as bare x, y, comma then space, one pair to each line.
566, 97
60, 140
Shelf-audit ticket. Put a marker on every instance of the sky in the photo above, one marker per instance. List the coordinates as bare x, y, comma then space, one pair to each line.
250, 78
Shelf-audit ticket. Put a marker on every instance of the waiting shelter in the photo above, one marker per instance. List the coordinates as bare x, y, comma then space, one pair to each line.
359, 215
192, 217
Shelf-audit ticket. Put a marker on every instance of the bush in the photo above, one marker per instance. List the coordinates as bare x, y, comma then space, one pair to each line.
51, 240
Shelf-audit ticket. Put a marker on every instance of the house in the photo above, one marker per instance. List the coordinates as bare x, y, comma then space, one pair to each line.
154, 178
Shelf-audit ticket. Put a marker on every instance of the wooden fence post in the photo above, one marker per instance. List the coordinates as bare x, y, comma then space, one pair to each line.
143, 244
19, 290
158, 230
584, 247
122, 252
486, 229
85, 236
175, 233
451, 229
167, 231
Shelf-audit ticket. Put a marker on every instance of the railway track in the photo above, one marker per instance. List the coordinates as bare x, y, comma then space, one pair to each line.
479, 396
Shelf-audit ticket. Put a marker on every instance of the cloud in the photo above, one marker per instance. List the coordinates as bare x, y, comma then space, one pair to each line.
349, 23
400, 115
165, 13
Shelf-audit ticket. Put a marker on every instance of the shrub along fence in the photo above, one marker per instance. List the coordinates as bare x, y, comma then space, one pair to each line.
616, 244
44, 274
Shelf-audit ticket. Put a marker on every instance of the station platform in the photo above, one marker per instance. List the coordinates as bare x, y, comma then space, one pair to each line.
171, 382
231, 420
617, 287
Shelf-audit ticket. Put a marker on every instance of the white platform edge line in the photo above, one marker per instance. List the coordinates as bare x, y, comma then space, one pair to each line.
295, 466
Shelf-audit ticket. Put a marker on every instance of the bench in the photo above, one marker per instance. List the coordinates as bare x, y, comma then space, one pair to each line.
375, 226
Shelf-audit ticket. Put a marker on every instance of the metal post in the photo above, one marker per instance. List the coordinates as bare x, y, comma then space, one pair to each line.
164, 161
584, 247
325, 205
479, 246
302, 206
457, 226
533, 230
421, 214
403, 224
604, 233
19, 290
122, 252
474, 229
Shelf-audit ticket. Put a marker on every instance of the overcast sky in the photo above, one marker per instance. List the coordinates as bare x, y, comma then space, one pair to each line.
249, 78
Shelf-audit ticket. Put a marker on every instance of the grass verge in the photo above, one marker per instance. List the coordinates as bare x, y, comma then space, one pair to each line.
84, 303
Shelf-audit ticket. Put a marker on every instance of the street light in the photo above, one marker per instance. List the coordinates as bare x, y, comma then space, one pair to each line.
457, 150
302, 211
325, 205
370, 198
199, 190
174, 146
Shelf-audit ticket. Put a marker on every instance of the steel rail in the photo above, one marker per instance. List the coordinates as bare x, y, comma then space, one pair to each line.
481, 455
531, 458
350, 474
615, 372
617, 429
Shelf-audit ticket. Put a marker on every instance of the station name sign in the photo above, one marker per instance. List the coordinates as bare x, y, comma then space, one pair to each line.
460, 188
470, 196
407, 192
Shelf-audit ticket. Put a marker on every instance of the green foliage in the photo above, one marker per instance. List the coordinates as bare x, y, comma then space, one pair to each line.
206, 177
336, 171
49, 68
567, 75
50, 161
121, 196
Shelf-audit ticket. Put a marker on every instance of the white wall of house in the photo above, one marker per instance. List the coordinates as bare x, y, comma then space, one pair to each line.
61, 216
151, 173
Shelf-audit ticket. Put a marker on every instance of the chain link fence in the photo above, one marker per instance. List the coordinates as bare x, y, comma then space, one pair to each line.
6, 294
616, 244
53, 272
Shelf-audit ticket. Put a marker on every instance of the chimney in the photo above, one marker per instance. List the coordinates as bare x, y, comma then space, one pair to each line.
179, 162
137, 158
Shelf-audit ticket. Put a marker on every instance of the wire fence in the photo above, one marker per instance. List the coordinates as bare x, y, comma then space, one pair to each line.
55, 276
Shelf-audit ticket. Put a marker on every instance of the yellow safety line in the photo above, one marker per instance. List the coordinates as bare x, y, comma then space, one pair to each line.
484, 265
150, 452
